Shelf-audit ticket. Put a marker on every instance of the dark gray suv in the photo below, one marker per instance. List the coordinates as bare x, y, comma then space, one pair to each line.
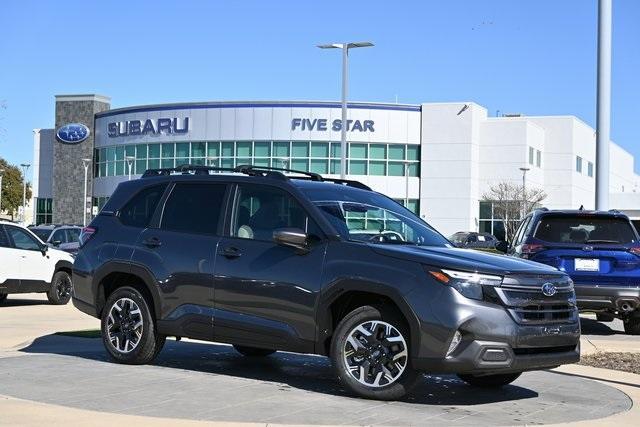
269, 259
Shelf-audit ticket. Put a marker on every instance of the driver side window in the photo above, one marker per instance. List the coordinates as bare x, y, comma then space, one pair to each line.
22, 239
260, 210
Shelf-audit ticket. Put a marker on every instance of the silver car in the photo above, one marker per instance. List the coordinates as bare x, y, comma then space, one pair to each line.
63, 237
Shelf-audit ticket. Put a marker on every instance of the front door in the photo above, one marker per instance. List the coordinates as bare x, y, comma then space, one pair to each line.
179, 251
265, 293
35, 267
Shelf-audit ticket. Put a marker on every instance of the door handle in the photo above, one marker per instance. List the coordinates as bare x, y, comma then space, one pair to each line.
230, 252
152, 242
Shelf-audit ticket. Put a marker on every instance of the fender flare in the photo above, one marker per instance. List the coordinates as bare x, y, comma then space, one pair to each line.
124, 267
337, 289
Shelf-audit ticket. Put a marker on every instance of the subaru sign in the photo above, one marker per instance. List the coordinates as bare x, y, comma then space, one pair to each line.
336, 126
159, 126
72, 133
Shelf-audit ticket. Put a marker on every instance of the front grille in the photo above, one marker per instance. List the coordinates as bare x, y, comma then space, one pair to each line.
524, 300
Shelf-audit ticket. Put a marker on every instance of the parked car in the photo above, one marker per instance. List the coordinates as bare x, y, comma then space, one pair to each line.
267, 262
472, 239
599, 250
28, 265
63, 237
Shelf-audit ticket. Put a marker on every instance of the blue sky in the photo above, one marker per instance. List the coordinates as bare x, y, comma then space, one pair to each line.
535, 57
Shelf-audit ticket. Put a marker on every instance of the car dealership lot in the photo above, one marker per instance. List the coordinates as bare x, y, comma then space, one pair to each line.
211, 382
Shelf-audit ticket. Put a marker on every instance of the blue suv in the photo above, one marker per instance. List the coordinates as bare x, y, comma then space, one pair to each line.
599, 250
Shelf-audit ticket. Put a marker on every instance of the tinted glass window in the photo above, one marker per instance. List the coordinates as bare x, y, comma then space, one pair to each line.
60, 236
139, 210
73, 235
194, 208
22, 239
260, 210
4, 239
42, 233
585, 229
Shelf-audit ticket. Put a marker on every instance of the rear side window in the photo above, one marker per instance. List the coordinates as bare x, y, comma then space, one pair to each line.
194, 208
139, 210
585, 229
4, 239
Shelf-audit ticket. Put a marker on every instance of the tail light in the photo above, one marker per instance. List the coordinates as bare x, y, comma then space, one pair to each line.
86, 234
530, 249
635, 251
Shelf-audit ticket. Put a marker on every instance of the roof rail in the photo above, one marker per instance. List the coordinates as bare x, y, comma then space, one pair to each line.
251, 170
543, 209
614, 211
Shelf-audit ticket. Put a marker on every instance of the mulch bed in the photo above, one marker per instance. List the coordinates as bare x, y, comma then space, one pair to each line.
628, 362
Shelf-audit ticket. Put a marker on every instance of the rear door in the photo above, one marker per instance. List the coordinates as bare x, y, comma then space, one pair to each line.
10, 260
592, 249
178, 248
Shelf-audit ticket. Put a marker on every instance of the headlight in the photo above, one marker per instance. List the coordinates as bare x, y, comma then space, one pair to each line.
468, 284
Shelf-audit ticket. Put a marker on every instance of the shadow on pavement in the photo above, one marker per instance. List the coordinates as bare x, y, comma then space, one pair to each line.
305, 372
16, 302
593, 327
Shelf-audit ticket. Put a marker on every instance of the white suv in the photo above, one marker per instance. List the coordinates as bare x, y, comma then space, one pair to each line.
29, 265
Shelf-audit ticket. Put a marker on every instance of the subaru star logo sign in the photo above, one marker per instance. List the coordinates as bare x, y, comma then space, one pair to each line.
549, 289
72, 133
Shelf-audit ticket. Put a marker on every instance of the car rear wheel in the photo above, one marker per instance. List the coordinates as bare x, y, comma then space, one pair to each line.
253, 351
370, 353
60, 291
128, 329
3, 297
632, 324
489, 381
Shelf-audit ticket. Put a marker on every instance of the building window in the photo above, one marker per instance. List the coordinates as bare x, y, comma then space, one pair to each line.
590, 169
322, 157
578, 164
491, 222
531, 151
44, 211
538, 158
413, 205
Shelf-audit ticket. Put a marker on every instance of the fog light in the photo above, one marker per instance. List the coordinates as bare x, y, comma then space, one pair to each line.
457, 338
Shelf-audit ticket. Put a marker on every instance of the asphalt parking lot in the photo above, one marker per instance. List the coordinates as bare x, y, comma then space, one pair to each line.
211, 382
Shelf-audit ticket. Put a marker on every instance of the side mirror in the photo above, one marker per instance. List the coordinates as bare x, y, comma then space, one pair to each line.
292, 237
44, 249
56, 243
502, 246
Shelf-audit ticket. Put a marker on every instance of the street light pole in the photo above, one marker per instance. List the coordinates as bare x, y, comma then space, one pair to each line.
129, 160
345, 82
603, 105
524, 190
406, 184
25, 168
1, 174
85, 164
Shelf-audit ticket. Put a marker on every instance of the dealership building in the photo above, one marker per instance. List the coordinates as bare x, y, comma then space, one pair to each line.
437, 158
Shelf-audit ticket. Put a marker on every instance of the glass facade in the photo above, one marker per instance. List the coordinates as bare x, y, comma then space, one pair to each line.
490, 222
314, 156
44, 211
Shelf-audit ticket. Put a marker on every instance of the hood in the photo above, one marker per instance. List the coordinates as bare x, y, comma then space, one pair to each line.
463, 259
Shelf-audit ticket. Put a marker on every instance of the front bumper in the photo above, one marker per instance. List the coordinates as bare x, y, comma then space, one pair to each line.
606, 297
492, 341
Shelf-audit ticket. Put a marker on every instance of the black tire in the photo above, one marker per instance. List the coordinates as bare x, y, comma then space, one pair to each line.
3, 298
632, 324
374, 362
489, 381
253, 351
604, 317
60, 291
149, 341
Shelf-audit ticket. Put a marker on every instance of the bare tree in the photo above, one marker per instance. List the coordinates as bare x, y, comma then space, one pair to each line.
511, 203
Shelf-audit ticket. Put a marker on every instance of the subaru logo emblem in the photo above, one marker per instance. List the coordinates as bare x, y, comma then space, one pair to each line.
72, 133
549, 289
587, 248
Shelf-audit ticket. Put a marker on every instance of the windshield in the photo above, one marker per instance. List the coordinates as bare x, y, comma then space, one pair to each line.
585, 229
42, 233
370, 217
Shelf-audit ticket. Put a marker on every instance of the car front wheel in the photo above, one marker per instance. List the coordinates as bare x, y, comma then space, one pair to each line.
60, 290
128, 329
489, 381
370, 353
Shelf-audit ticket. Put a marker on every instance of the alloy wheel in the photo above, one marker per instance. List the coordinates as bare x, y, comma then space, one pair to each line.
375, 353
63, 287
124, 325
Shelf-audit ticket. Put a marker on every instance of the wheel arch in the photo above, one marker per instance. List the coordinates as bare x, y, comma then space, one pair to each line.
63, 265
348, 295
